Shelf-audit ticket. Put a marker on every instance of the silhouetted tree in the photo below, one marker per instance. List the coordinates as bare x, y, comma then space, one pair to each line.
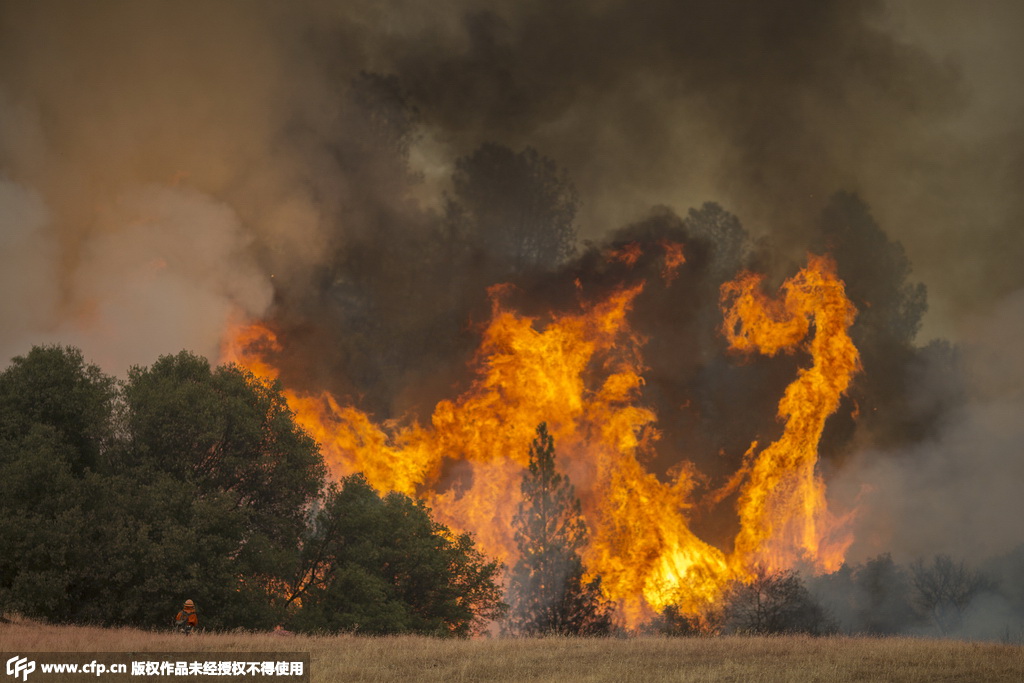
379, 116
367, 319
729, 240
547, 589
519, 207
774, 602
886, 608
876, 271
943, 589
671, 621
890, 308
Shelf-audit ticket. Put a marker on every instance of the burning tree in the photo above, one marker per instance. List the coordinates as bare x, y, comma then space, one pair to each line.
548, 590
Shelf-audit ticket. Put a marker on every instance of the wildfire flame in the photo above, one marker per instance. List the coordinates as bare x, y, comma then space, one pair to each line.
783, 515
673, 259
581, 373
628, 254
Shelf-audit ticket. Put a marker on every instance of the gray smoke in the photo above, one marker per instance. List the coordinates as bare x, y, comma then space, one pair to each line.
958, 491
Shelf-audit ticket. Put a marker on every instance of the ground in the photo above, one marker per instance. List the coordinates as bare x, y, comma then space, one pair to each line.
649, 659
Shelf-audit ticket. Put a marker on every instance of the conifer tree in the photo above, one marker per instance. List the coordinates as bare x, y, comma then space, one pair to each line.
547, 590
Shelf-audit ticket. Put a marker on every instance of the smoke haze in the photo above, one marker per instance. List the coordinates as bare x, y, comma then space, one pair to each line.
955, 492
168, 168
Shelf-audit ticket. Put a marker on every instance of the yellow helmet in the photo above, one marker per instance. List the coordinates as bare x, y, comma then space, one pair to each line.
189, 603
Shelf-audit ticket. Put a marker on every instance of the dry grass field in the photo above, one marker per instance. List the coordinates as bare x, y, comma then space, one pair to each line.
347, 658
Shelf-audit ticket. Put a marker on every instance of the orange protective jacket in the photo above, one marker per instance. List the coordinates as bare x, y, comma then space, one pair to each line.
189, 614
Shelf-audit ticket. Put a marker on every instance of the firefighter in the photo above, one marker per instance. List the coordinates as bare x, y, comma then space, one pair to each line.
186, 619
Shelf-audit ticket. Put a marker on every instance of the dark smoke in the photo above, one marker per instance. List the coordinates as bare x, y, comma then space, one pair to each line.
349, 172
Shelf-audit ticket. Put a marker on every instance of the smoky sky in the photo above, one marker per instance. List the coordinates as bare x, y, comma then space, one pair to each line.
167, 168
767, 109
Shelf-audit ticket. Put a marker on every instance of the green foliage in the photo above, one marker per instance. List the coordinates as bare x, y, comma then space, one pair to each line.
195, 482
381, 565
190, 483
55, 431
54, 386
547, 590
232, 476
226, 433
41, 522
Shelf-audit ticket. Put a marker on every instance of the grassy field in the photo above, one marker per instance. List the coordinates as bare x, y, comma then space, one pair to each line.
347, 658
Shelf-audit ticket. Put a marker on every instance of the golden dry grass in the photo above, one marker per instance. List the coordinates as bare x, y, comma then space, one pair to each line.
347, 658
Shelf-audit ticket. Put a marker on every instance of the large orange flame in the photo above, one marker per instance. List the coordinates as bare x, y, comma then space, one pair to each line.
783, 515
582, 374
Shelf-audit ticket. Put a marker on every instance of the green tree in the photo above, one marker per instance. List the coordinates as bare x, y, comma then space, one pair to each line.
519, 207
547, 589
55, 436
234, 476
192, 483
224, 430
381, 565
41, 523
54, 386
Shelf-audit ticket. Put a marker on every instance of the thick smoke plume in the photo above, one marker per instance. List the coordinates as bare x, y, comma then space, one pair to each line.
342, 170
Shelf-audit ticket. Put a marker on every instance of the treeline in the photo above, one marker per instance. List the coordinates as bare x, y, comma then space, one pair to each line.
185, 481
937, 596
122, 499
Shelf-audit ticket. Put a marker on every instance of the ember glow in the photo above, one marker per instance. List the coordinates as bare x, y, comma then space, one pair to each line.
582, 374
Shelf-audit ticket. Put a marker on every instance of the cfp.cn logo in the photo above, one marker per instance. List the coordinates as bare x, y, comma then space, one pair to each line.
20, 666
